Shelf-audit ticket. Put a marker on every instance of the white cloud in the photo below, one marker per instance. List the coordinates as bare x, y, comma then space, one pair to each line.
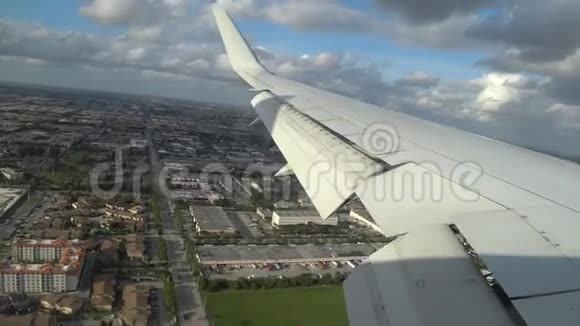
418, 79
163, 75
136, 54
112, 11
572, 110
243, 7
498, 91
35, 44
24, 60
327, 60
568, 115
145, 33
310, 15
331, 15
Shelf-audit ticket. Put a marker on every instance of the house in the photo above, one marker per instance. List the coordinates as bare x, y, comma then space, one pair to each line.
113, 207
135, 247
109, 255
62, 303
123, 215
135, 210
80, 221
284, 204
264, 213
136, 310
128, 216
62, 202
103, 292
83, 202
28, 320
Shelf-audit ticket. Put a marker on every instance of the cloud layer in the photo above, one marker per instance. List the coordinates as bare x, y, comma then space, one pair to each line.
532, 84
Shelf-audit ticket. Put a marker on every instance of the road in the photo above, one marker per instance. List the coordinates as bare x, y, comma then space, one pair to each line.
87, 276
190, 310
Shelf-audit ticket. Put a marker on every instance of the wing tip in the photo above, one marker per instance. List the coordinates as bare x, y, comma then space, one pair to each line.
240, 54
218, 9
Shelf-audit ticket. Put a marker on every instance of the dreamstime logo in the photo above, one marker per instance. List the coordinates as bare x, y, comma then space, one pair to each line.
331, 175
420, 182
117, 172
380, 138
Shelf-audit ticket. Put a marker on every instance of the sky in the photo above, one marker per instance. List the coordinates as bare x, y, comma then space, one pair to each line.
507, 69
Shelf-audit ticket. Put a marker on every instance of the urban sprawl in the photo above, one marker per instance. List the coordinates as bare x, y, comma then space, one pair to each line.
125, 210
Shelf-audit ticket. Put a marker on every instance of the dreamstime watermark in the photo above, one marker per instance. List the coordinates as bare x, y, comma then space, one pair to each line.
380, 138
380, 167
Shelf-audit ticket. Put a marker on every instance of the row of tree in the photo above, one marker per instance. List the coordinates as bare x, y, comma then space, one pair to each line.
303, 280
170, 297
156, 211
162, 249
191, 252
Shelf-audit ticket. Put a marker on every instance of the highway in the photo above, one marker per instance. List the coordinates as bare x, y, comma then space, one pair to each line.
190, 310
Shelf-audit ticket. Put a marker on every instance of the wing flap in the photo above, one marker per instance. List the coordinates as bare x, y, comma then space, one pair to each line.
413, 282
329, 169
561, 309
412, 196
519, 256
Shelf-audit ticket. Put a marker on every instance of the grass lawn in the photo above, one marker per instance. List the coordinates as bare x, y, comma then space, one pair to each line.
72, 172
284, 307
65, 177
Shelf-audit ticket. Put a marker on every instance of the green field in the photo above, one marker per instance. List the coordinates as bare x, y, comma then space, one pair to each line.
70, 172
285, 307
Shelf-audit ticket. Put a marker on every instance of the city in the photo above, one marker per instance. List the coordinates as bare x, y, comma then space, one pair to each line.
139, 210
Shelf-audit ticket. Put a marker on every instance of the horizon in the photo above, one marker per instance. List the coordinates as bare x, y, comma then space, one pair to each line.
564, 156
488, 68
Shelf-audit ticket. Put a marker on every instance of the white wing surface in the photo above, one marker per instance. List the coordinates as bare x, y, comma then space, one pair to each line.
437, 187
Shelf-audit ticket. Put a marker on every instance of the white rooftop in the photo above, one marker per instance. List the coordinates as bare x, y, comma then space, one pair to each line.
9, 196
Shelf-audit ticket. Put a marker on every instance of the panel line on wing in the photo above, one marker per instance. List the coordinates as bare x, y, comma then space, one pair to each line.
547, 294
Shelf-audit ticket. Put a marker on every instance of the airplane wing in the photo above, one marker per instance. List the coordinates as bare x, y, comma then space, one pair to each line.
460, 203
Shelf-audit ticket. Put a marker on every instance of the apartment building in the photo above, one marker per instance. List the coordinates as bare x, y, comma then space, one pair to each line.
301, 217
37, 278
32, 251
42, 266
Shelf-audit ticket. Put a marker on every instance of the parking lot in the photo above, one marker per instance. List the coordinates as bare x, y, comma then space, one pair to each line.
22, 217
272, 254
242, 222
232, 272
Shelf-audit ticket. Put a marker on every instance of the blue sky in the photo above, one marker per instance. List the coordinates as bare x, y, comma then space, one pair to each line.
61, 15
401, 60
64, 16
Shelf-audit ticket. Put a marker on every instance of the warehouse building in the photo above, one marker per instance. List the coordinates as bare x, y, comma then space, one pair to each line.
211, 219
11, 174
9, 197
301, 217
